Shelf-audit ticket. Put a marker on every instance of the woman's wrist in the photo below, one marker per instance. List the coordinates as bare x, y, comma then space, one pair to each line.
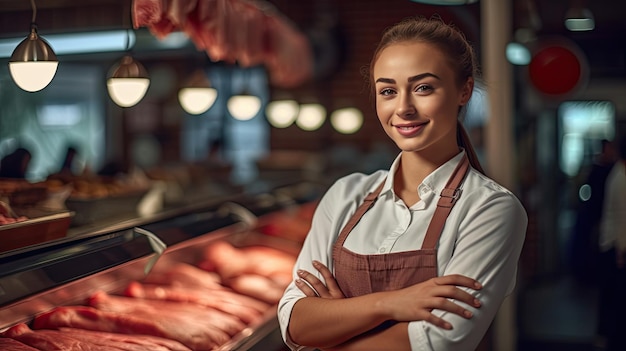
380, 306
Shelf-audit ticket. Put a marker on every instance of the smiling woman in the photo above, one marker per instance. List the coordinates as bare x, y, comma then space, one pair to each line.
421, 256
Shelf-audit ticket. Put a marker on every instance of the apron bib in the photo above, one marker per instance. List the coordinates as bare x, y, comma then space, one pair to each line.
358, 274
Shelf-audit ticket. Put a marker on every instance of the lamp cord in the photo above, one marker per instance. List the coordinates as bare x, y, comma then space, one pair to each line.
32, 4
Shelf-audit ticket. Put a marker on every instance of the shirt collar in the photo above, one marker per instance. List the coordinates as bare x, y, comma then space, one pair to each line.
434, 182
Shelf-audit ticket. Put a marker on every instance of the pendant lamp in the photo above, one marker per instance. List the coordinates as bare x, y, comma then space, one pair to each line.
347, 120
244, 106
33, 63
128, 82
197, 96
579, 18
311, 116
282, 113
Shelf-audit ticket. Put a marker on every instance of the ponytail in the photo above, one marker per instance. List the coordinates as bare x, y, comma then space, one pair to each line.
464, 141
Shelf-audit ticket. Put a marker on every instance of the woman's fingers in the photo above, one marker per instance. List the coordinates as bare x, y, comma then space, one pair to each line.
313, 286
457, 280
315, 283
437, 321
331, 283
445, 293
457, 294
305, 288
445, 304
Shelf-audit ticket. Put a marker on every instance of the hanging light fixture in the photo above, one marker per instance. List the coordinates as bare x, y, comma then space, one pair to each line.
518, 50
33, 63
244, 106
282, 113
197, 96
128, 82
347, 120
311, 116
579, 18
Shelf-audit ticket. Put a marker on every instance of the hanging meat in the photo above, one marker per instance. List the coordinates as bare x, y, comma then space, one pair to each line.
245, 32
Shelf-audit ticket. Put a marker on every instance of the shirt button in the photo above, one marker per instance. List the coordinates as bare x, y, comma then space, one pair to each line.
382, 250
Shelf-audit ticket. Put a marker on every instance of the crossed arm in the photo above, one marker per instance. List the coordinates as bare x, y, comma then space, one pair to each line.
485, 245
358, 320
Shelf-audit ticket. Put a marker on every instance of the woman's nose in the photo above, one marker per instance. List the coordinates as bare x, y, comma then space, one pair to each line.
405, 107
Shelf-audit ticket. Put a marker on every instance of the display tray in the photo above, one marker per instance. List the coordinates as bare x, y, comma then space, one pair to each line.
89, 210
20, 192
37, 278
264, 334
43, 226
261, 335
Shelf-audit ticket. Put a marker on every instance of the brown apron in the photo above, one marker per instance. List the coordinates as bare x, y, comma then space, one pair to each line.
358, 274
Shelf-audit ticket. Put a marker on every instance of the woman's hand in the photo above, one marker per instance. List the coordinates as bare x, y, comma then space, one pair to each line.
416, 302
413, 303
315, 287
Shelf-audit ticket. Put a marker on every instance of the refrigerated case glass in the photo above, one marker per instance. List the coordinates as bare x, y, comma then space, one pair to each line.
70, 111
241, 143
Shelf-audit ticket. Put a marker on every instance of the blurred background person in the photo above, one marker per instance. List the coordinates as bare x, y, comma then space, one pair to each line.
15, 164
612, 246
585, 236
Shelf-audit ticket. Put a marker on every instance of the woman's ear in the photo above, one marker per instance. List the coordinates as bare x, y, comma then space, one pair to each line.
466, 91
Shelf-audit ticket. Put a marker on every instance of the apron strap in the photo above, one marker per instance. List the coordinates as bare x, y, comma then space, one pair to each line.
369, 201
448, 197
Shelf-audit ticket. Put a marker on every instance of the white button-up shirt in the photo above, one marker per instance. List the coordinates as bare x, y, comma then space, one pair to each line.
482, 239
613, 219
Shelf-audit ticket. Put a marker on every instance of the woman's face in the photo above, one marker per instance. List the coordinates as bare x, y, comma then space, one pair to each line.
418, 97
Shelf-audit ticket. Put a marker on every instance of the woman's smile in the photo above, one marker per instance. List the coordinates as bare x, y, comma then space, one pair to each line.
410, 129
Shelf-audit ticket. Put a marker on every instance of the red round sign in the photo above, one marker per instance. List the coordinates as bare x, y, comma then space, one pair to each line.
555, 70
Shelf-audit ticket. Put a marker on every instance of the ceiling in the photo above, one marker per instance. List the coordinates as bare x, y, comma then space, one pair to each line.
605, 47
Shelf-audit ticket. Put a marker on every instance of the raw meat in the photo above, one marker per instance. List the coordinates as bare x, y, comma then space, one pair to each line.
79, 339
187, 314
8, 344
49, 340
229, 262
258, 287
234, 31
125, 342
192, 334
292, 225
178, 10
247, 309
184, 275
147, 11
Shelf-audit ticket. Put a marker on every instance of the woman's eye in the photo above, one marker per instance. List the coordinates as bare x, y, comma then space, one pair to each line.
386, 92
423, 89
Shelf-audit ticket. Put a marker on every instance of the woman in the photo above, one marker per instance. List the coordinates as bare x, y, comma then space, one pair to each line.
379, 270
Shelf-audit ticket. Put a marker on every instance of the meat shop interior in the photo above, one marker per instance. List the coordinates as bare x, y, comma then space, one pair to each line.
238, 115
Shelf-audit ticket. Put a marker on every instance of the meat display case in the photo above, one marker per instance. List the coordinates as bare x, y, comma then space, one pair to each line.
66, 272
